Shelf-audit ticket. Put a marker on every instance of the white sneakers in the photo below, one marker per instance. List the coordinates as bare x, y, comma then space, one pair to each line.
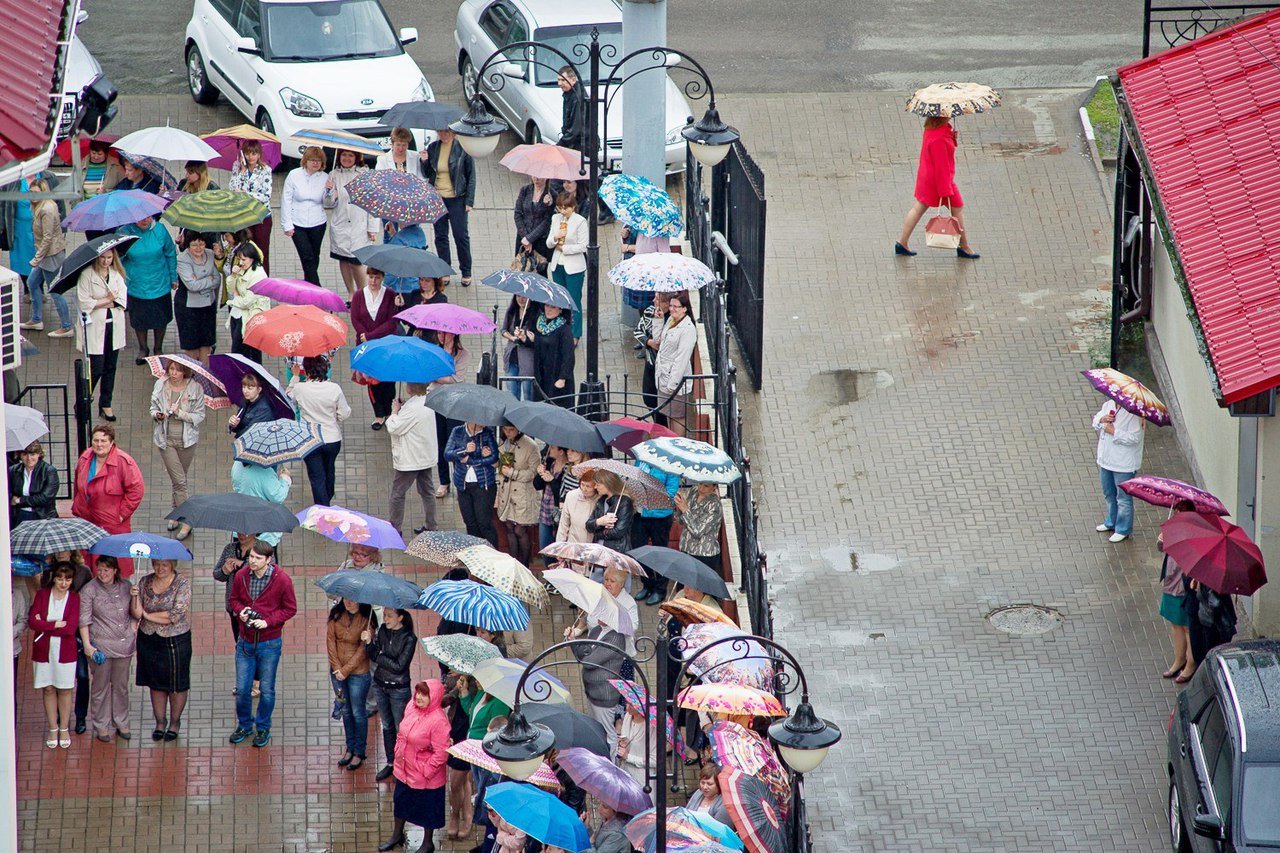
1117, 537
1102, 528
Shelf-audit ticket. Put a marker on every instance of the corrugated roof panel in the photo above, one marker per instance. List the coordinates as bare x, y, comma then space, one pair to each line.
29, 31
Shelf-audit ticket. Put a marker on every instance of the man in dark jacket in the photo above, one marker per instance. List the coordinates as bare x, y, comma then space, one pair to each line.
573, 119
452, 172
263, 599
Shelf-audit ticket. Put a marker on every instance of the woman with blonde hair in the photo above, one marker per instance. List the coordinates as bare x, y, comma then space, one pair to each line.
101, 293
197, 178
577, 507
250, 174
302, 214
51, 250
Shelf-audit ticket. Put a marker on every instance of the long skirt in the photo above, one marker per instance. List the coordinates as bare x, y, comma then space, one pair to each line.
421, 807
164, 663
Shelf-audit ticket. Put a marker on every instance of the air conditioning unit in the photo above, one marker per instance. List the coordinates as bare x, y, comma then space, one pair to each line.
10, 333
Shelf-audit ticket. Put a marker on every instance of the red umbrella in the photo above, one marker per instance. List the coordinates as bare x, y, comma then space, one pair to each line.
63, 149
1215, 552
626, 433
288, 330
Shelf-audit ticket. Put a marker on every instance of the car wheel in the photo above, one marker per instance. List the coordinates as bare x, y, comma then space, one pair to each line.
202, 91
1178, 841
470, 80
533, 134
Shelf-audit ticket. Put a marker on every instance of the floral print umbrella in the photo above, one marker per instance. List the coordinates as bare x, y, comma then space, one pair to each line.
733, 745
734, 699
593, 554
504, 572
661, 272
645, 490
695, 461
1131, 394
1163, 491
686, 830
472, 752
499, 677
346, 525
530, 285
215, 393
741, 661
688, 612
953, 99
395, 195
460, 652
289, 330
641, 204
637, 699
754, 811
441, 547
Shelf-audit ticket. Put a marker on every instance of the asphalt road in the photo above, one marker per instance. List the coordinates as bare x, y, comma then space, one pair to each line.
746, 45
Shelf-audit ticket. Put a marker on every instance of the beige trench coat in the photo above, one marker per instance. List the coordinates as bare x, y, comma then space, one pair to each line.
90, 289
517, 498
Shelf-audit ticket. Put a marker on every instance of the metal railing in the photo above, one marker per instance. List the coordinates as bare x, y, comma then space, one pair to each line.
54, 402
1175, 23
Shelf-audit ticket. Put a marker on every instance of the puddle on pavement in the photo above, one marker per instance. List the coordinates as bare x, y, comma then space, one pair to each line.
844, 386
842, 558
1023, 149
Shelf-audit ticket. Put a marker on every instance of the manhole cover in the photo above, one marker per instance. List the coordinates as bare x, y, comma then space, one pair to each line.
1025, 619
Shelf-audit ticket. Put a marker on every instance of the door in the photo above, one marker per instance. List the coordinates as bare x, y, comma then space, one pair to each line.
220, 31
1208, 740
495, 20
521, 90
248, 24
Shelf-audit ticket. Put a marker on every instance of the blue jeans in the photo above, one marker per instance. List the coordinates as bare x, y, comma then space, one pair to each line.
1119, 502
35, 285
391, 703
256, 661
355, 716
546, 534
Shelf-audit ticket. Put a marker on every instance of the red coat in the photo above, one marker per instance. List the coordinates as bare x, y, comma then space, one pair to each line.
936, 177
38, 622
422, 742
111, 497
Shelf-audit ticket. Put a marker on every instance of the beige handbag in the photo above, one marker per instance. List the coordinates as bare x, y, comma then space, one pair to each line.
943, 231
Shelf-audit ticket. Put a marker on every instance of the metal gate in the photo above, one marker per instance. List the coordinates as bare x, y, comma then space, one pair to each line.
60, 446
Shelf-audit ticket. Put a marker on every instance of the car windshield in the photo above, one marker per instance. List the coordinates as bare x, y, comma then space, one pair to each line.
1261, 818
564, 39
337, 29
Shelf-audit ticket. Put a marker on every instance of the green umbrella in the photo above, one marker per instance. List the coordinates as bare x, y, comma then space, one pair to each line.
216, 211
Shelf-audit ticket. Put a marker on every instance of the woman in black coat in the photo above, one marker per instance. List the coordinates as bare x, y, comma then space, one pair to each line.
33, 487
518, 331
1211, 619
535, 205
610, 519
553, 356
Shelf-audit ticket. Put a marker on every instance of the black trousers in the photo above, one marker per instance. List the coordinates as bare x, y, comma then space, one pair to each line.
322, 472
238, 346
381, 396
103, 368
455, 218
82, 687
307, 241
476, 506
652, 531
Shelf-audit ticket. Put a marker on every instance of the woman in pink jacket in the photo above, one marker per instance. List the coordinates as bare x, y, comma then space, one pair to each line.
422, 745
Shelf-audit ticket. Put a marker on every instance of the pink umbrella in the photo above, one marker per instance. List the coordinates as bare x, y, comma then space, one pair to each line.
446, 317
293, 292
543, 160
1163, 491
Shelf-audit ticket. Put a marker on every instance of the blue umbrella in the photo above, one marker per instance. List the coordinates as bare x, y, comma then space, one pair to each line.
533, 286
276, 442
140, 544
369, 587
539, 814
695, 461
475, 604
337, 139
641, 204
110, 210
397, 359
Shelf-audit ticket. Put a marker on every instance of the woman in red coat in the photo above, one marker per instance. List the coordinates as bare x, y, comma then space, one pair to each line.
109, 487
422, 746
936, 184
373, 310
54, 618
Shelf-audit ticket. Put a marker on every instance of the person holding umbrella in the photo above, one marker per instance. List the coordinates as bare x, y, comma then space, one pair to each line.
102, 295
256, 408
108, 486
1120, 440
242, 303
302, 216
676, 341
516, 502
408, 235
474, 451
161, 601
518, 331
101, 169
350, 227
398, 157
151, 274
51, 251
249, 174
178, 408
196, 178
350, 623
935, 184
452, 344
321, 401
414, 452
701, 517
136, 178
610, 524
553, 358
1173, 606
450, 169
1211, 622
195, 303
422, 746
373, 316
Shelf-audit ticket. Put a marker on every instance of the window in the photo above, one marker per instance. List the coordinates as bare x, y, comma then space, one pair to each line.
495, 21
227, 9
1211, 732
327, 29
567, 41
1221, 780
1260, 817
248, 25
519, 31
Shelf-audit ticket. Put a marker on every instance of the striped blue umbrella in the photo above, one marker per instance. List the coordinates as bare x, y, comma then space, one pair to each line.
109, 211
277, 442
397, 359
695, 461
475, 604
337, 139
641, 204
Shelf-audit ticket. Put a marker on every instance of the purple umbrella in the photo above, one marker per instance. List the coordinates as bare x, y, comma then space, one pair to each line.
346, 525
228, 148
230, 368
1163, 491
604, 780
109, 211
446, 317
293, 292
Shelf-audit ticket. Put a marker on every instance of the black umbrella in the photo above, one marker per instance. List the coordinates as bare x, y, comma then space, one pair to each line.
571, 728
366, 587
555, 425
477, 404
404, 261
235, 512
424, 115
681, 568
84, 255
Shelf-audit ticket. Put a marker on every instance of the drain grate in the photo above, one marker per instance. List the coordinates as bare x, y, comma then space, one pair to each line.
1025, 619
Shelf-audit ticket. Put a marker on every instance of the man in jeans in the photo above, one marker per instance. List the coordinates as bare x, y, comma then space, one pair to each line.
414, 453
262, 598
474, 451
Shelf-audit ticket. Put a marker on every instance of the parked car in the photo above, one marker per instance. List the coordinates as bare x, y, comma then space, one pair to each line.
529, 100
1224, 753
295, 64
82, 69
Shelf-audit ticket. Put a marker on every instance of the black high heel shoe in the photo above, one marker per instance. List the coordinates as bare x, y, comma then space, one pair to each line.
391, 844
102, 413
899, 249
972, 256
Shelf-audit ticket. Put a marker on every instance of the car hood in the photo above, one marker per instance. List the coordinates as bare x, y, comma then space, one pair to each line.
344, 84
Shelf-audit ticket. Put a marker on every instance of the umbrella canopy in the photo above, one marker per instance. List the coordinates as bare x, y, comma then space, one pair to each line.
84, 255
539, 815
544, 160
593, 554
573, 729
477, 404
499, 677
235, 512
338, 139
755, 813
592, 598
740, 661
48, 535
601, 778
1129, 393
215, 393
155, 168
397, 196
641, 204
949, 100
733, 745
22, 425
1215, 552
637, 699
403, 261
460, 652
142, 546
688, 612
166, 143
645, 490
63, 149
441, 547
555, 425
216, 211
472, 752
530, 285
293, 292
289, 330
730, 699
475, 604
110, 210
504, 572
695, 461
228, 141
399, 359
661, 272
423, 115
625, 433
277, 442
231, 368
686, 830
346, 525
447, 317
1163, 491
681, 568
367, 587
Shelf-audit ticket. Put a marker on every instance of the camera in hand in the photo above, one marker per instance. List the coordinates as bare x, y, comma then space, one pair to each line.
252, 614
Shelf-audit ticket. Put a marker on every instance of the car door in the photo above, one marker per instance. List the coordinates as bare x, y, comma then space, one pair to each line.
1208, 739
248, 24
495, 20
522, 91
219, 24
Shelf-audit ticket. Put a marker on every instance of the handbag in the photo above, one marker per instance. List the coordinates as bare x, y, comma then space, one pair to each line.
943, 231
528, 262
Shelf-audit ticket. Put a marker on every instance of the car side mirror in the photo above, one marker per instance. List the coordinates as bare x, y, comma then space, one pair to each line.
244, 44
408, 35
81, 17
515, 71
1208, 826
672, 59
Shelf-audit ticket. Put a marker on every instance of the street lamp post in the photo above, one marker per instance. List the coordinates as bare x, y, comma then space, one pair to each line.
478, 132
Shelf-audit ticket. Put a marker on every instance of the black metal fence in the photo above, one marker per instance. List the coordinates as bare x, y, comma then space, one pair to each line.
60, 445
1174, 23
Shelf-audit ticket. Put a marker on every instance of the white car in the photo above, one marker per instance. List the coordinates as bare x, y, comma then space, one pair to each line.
529, 99
289, 65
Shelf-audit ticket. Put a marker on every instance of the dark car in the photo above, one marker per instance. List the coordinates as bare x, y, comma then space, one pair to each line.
1224, 752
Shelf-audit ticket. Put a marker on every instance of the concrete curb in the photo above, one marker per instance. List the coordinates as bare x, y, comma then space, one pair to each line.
1091, 143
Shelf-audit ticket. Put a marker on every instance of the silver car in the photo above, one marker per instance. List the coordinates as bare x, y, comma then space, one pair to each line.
530, 101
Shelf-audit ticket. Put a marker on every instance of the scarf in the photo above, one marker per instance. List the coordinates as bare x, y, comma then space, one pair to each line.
546, 327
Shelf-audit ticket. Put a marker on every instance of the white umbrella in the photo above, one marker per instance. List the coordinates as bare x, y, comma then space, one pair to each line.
166, 143
592, 598
499, 676
22, 425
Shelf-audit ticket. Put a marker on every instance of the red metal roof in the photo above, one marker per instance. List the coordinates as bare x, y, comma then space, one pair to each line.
29, 31
1207, 115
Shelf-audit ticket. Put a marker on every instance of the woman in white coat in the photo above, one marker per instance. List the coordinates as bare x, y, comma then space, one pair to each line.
568, 240
350, 228
676, 342
101, 294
